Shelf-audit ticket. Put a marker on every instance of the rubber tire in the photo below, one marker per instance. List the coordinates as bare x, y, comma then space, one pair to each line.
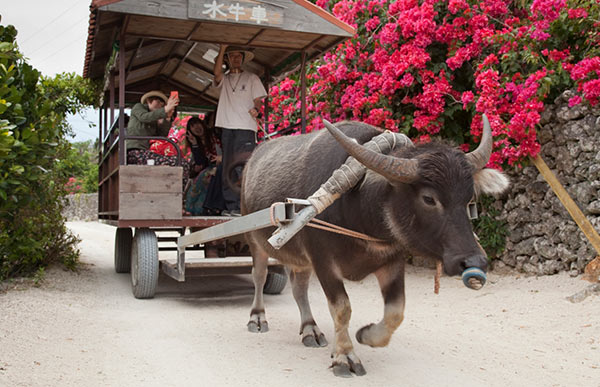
123, 240
144, 263
275, 283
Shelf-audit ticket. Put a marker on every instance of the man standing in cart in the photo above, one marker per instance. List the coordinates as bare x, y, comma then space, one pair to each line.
237, 112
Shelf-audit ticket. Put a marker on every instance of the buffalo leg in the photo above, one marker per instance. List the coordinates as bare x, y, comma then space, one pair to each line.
311, 334
391, 282
258, 320
345, 360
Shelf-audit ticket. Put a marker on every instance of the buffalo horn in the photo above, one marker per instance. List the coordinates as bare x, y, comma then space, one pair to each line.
392, 168
480, 156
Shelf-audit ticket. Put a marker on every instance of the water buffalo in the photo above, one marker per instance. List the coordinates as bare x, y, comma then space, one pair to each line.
414, 200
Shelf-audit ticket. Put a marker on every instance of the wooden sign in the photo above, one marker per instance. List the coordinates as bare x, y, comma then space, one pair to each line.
262, 13
150, 192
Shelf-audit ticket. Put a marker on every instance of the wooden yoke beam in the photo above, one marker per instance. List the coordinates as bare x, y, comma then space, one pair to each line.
562, 194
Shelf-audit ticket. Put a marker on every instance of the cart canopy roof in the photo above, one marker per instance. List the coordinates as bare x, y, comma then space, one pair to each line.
171, 44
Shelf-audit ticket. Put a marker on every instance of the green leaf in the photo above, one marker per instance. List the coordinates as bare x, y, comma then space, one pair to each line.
18, 169
20, 120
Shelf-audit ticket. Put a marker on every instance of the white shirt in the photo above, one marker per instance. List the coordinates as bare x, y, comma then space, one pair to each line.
238, 92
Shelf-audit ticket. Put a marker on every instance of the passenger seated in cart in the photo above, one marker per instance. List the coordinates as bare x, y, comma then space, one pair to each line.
204, 196
152, 116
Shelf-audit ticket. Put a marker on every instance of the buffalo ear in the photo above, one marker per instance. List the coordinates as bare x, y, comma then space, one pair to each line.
490, 181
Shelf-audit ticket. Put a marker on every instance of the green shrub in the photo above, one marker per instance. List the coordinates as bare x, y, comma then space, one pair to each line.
81, 164
492, 231
33, 144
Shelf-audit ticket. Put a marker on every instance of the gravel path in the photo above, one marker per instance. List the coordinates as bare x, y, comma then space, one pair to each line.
86, 329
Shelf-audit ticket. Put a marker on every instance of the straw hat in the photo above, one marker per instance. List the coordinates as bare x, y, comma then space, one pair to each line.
248, 55
154, 93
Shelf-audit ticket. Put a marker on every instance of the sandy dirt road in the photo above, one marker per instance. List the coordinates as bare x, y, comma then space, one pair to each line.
86, 329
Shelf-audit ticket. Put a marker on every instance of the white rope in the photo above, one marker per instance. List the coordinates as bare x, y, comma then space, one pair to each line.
378, 147
351, 171
349, 174
322, 199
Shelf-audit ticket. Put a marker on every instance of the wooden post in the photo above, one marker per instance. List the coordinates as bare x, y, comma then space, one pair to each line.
266, 102
106, 124
112, 99
101, 124
562, 194
303, 92
122, 153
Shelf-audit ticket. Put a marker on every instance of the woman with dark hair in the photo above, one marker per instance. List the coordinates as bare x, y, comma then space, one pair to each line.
204, 195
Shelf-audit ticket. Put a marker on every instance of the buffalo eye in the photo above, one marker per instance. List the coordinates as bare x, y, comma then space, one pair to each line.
429, 200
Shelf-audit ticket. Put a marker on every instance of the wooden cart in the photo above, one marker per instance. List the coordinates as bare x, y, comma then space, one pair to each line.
135, 46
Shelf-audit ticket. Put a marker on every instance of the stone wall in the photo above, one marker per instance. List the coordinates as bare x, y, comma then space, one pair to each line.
81, 207
543, 238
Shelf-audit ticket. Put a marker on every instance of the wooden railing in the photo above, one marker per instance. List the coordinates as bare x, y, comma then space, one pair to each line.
108, 169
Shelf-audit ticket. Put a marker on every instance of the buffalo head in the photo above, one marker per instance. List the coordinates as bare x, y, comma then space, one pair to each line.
430, 187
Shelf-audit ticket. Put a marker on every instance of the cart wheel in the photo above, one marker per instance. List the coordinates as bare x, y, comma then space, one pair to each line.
144, 263
275, 283
123, 238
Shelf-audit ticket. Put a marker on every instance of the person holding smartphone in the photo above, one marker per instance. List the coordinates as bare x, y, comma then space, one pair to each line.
153, 116
238, 108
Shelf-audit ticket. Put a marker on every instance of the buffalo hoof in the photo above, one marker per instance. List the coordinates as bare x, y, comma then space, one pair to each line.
315, 342
344, 369
360, 334
258, 324
313, 337
373, 335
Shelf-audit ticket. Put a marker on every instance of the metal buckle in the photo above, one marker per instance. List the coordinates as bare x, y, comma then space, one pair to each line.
472, 210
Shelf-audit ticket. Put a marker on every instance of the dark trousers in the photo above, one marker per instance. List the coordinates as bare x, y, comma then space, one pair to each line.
214, 195
236, 144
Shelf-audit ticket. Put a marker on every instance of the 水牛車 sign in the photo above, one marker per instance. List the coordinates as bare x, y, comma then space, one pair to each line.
254, 12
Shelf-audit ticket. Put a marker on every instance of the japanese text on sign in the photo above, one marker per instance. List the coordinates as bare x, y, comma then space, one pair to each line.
238, 11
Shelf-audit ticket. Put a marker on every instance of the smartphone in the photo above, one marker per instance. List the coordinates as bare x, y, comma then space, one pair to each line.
174, 94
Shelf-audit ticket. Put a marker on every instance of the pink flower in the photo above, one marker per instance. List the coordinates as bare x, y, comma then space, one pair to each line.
407, 63
490, 59
341, 72
495, 8
555, 55
454, 6
372, 24
286, 84
466, 98
547, 9
577, 13
591, 91
322, 3
424, 139
388, 34
407, 80
576, 100
586, 67
545, 12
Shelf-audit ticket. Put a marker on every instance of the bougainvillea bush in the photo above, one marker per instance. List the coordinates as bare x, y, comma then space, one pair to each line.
433, 67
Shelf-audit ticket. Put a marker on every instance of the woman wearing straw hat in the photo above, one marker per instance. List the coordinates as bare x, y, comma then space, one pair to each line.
239, 105
152, 116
